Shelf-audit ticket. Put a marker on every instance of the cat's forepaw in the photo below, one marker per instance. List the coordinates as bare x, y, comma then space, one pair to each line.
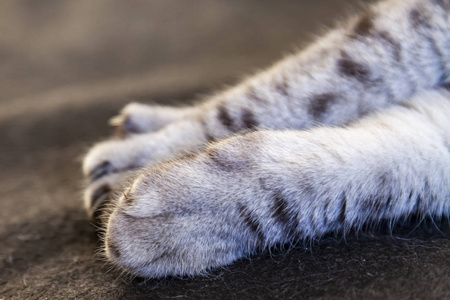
171, 223
149, 135
191, 214
107, 167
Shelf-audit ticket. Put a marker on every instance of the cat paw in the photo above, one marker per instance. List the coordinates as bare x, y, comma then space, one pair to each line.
117, 155
108, 164
189, 215
169, 223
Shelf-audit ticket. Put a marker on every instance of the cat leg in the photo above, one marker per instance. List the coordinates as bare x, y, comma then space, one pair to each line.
265, 188
379, 58
368, 64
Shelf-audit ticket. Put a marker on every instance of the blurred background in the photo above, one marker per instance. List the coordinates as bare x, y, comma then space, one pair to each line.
141, 47
66, 67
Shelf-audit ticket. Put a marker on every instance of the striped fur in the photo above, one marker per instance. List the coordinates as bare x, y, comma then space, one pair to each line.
350, 131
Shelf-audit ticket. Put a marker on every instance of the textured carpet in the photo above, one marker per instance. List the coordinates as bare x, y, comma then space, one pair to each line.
68, 66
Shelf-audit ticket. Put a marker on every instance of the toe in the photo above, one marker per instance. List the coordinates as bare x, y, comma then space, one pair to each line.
101, 170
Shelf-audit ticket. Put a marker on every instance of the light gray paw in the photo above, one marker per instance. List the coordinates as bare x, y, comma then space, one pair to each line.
168, 223
150, 135
192, 214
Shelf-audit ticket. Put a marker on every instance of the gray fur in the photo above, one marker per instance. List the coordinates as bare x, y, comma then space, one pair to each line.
351, 131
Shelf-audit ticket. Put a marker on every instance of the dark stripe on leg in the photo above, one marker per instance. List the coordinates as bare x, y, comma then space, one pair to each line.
366, 28
283, 215
364, 25
418, 17
248, 119
225, 118
350, 68
320, 104
252, 224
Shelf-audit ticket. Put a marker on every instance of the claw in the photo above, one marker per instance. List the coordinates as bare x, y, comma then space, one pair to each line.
124, 126
116, 120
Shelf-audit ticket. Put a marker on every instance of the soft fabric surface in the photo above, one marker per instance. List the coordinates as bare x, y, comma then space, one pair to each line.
68, 66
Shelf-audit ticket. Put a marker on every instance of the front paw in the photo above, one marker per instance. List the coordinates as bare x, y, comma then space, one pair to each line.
166, 224
108, 167
142, 141
188, 215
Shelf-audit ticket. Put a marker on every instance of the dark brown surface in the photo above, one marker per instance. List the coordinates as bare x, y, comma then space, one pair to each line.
69, 66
